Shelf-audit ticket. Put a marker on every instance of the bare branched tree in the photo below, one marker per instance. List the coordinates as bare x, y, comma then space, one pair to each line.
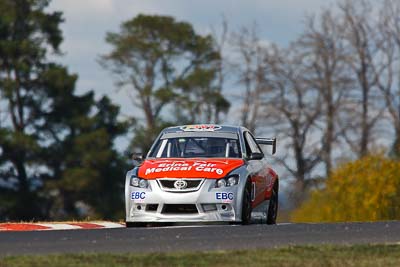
293, 112
361, 36
387, 73
325, 71
222, 69
251, 70
332, 87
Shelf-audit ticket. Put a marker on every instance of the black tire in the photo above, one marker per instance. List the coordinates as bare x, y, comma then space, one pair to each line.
134, 224
246, 204
272, 212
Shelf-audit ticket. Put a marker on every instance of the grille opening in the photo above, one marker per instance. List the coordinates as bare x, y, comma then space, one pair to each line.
167, 183
151, 207
179, 209
191, 184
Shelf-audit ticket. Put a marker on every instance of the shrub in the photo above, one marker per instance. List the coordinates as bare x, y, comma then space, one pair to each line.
364, 190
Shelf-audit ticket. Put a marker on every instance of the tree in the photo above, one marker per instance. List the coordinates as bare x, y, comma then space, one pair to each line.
361, 36
278, 98
26, 31
364, 190
387, 72
293, 109
327, 72
200, 100
222, 70
55, 146
83, 160
161, 61
251, 70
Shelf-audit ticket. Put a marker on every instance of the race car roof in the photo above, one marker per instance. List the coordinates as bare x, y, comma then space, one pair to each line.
203, 128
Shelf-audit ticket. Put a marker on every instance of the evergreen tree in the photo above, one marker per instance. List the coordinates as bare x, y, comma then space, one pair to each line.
166, 66
55, 146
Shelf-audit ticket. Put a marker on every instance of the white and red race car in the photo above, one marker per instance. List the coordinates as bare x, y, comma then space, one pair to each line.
202, 173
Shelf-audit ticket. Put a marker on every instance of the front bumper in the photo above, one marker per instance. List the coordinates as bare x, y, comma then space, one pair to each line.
207, 204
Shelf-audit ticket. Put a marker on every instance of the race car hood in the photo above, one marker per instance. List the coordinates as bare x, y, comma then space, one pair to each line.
188, 168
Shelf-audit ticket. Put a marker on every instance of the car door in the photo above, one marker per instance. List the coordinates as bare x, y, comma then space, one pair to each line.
257, 170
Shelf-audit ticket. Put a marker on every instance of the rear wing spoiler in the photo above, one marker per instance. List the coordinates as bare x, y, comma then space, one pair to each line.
269, 142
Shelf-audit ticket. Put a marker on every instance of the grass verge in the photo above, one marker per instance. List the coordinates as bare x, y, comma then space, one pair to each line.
358, 255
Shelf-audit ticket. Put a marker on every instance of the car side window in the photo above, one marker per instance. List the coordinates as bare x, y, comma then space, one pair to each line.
246, 144
254, 148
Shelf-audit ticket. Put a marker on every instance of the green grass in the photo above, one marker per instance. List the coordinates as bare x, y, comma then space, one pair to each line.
359, 255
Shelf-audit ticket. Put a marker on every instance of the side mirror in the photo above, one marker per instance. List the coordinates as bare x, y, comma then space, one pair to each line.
256, 156
137, 159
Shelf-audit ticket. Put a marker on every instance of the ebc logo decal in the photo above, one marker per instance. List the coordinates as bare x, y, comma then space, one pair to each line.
223, 196
201, 128
138, 195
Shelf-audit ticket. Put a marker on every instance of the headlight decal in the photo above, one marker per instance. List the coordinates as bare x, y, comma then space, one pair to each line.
230, 180
138, 182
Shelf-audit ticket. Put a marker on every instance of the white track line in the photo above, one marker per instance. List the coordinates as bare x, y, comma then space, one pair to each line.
59, 226
109, 224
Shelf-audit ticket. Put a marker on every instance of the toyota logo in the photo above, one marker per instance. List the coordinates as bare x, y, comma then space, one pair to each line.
180, 184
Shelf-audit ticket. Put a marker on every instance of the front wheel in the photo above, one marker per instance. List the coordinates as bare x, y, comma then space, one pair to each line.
246, 204
272, 212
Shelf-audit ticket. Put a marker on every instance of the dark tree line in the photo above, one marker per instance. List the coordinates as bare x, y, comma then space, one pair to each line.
56, 147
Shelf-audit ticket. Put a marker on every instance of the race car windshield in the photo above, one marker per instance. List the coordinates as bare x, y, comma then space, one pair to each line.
196, 147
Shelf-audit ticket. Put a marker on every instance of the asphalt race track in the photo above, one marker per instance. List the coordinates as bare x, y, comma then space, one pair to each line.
194, 238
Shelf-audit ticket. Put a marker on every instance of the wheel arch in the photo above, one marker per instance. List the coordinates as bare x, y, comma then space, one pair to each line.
240, 192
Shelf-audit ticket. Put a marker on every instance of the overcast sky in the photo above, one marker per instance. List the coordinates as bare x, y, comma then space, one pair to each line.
87, 21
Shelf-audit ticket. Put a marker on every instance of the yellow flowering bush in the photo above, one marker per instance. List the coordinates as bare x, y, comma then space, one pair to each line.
364, 190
